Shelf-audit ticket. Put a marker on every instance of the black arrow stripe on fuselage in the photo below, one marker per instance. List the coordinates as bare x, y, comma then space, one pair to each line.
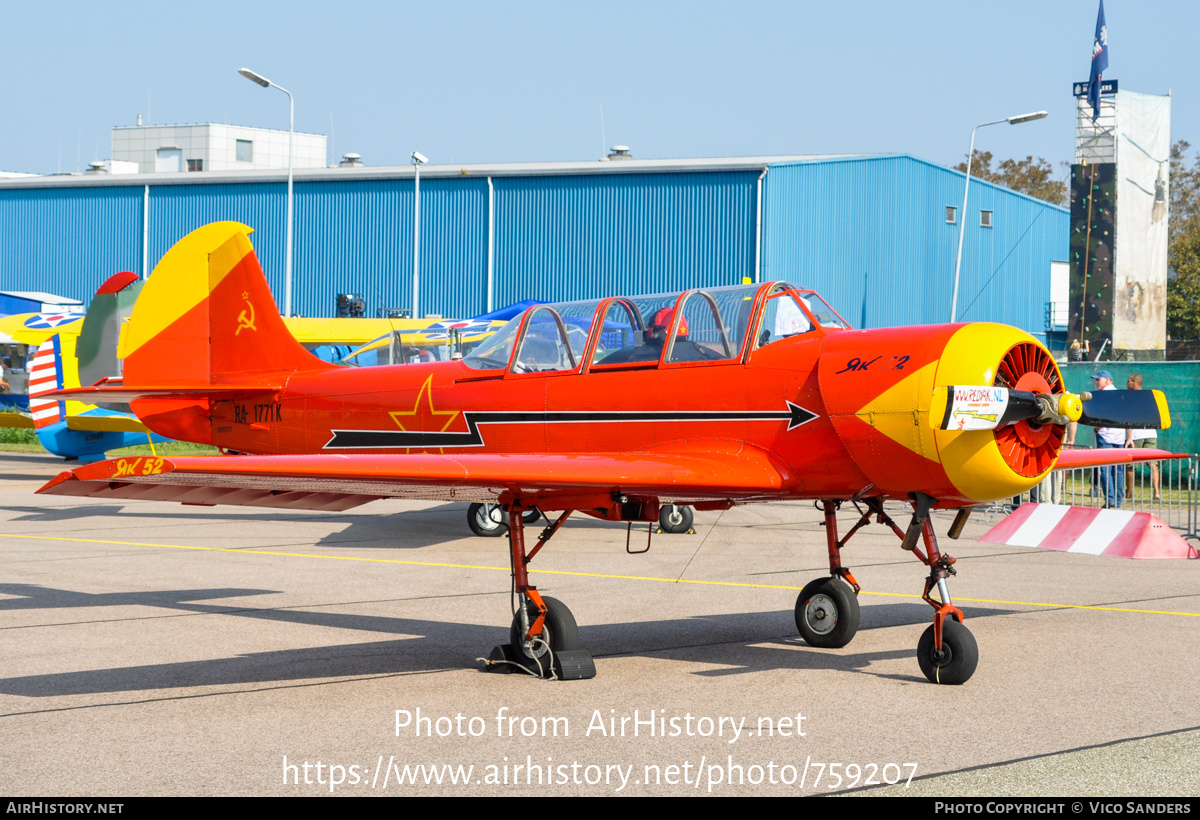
364, 439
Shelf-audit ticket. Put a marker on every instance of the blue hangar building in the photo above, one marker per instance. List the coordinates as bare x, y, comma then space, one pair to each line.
875, 235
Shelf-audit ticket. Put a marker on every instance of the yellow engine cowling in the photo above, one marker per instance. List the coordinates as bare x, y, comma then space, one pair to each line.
885, 394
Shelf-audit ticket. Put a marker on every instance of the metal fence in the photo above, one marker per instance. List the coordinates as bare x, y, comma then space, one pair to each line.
1167, 489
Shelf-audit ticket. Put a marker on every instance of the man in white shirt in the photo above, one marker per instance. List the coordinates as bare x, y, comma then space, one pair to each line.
1112, 479
1143, 438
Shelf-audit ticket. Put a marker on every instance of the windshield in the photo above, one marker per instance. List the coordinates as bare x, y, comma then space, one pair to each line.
494, 353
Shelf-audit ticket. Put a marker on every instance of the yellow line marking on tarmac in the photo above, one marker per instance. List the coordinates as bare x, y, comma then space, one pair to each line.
575, 574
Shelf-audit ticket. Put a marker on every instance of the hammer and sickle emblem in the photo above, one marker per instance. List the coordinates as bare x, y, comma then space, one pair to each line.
246, 322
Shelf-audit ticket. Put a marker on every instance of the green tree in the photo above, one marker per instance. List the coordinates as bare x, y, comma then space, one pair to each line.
1185, 192
1029, 176
1183, 256
1183, 294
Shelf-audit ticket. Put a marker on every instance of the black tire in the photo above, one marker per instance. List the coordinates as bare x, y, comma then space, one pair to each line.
827, 613
531, 516
675, 518
559, 630
486, 520
958, 659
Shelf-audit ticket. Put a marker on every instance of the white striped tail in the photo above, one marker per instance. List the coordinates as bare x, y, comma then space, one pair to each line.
45, 376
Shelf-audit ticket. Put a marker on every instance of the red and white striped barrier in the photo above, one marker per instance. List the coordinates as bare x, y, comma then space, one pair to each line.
1120, 533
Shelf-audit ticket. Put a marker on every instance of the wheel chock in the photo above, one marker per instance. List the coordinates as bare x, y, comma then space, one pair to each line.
570, 664
501, 659
574, 664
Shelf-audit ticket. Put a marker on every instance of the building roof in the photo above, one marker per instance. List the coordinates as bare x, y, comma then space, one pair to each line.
503, 169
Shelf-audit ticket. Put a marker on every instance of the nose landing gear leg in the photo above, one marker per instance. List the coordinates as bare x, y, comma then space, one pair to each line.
947, 652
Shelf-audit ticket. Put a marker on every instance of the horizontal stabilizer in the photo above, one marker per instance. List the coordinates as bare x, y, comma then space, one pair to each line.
124, 395
106, 424
16, 420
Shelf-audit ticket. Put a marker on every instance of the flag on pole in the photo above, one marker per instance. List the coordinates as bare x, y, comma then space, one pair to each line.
1099, 62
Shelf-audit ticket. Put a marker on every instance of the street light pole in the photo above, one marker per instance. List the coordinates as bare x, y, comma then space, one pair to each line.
418, 159
962, 216
265, 83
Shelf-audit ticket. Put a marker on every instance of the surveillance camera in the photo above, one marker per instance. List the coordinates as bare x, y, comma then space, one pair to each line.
418, 158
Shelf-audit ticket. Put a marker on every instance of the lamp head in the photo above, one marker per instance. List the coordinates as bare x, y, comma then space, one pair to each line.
255, 77
1020, 118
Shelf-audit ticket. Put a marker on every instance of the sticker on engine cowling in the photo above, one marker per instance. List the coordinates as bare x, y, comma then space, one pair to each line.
975, 408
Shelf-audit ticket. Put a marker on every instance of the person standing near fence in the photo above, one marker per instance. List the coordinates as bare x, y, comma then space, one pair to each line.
1143, 438
1112, 479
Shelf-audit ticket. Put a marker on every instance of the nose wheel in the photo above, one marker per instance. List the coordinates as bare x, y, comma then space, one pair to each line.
955, 662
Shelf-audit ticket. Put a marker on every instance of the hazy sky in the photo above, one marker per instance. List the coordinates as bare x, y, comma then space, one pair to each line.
506, 82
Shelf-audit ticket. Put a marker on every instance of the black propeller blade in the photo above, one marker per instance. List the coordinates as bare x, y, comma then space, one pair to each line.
1138, 409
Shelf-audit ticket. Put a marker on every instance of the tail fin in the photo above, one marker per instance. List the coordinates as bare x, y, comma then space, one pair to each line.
206, 317
46, 376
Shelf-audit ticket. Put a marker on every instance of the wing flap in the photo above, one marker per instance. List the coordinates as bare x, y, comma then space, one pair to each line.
727, 471
1071, 459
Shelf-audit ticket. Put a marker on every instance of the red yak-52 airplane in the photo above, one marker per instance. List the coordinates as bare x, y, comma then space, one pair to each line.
612, 407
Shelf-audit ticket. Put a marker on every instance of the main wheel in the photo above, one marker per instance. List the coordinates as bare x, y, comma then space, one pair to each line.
486, 520
675, 518
959, 656
827, 613
558, 630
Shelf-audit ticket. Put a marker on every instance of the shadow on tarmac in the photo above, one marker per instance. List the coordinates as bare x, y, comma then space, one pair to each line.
740, 643
421, 528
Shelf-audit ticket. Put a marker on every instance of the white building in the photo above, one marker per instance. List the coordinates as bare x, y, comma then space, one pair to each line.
212, 147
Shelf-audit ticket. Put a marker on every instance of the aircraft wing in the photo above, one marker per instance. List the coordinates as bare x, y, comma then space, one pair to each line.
339, 482
1072, 459
16, 420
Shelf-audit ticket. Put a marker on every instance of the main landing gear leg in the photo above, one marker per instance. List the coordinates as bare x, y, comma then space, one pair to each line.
543, 638
947, 652
827, 610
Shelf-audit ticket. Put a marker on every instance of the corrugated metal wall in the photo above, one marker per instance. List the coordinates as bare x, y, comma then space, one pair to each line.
350, 237
871, 236
68, 240
583, 237
176, 210
453, 247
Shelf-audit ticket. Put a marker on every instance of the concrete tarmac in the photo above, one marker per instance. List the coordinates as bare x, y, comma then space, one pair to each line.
157, 649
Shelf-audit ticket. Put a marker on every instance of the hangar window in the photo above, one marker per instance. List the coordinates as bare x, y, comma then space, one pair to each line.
951, 214
195, 164
985, 219
245, 151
